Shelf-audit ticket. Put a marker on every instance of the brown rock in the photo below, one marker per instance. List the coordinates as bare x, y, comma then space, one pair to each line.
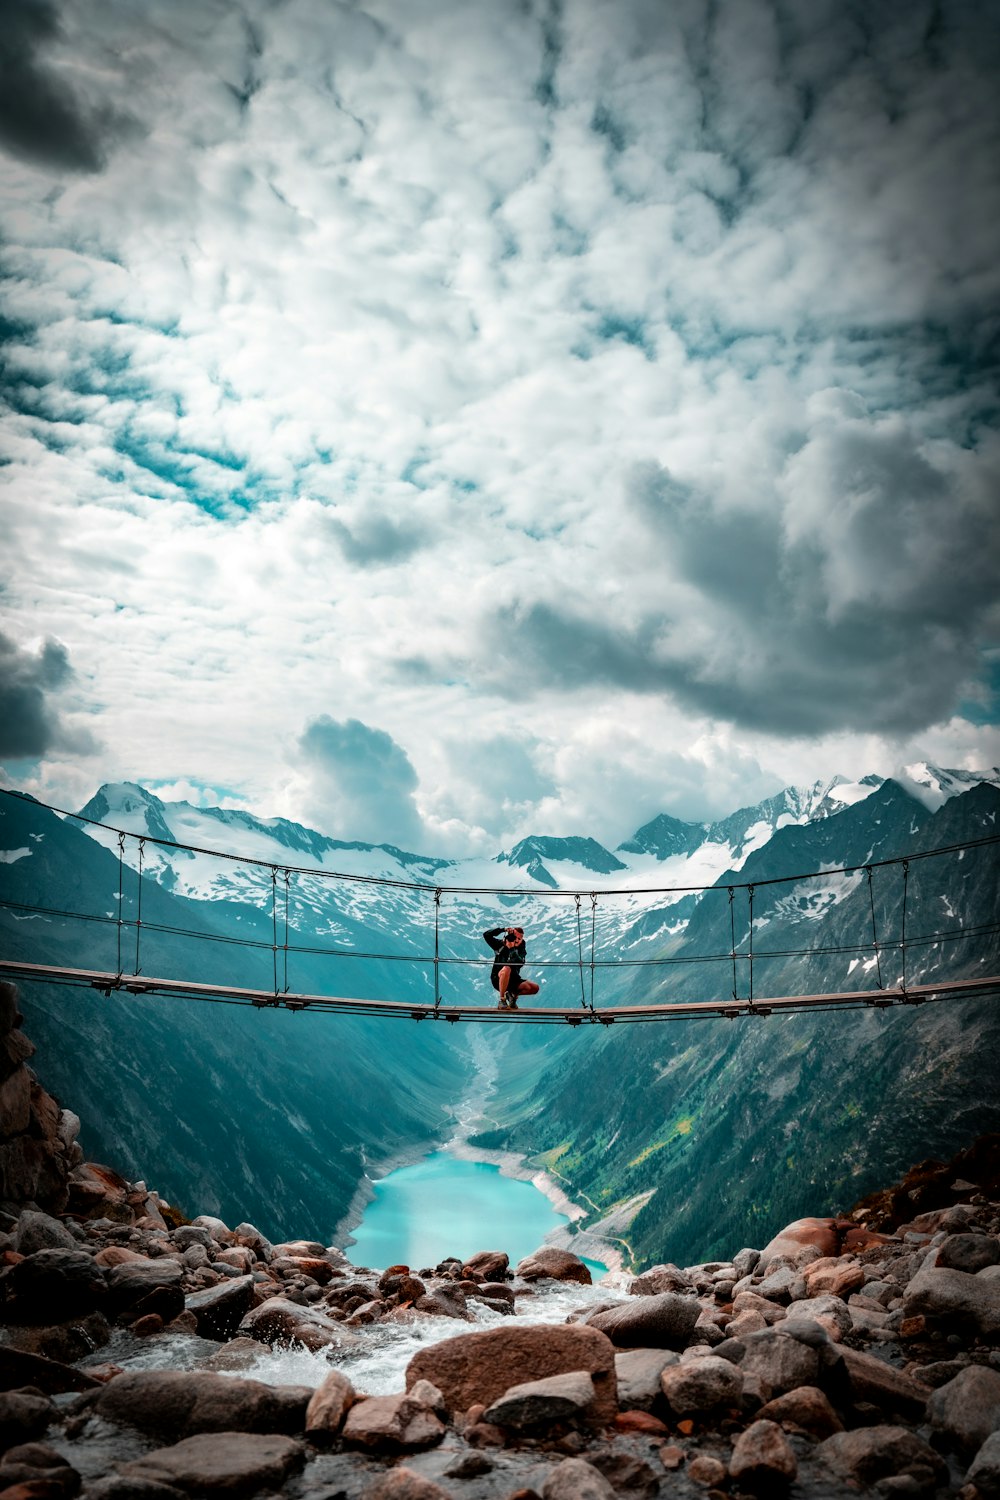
762, 1459
805, 1409
701, 1384
640, 1421
144, 1328
219, 1310
872, 1453
487, 1265
664, 1321
329, 1406
23, 1417
671, 1457
872, 1380
404, 1484
172, 1403
778, 1362
833, 1276
818, 1235
575, 1479
280, 1322
117, 1255
665, 1278
221, 1463
15, 1103
559, 1265
706, 1471
19, 1369
392, 1423
477, 1367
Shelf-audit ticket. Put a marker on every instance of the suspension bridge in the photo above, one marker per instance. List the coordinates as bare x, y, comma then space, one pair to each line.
740, 957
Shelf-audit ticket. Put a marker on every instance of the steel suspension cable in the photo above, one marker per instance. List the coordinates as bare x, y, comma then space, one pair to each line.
121, 895
732, 928
138, 914
579, 944
871, 900
593, 940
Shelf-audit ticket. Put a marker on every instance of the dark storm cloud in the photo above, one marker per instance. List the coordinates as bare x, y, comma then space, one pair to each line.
861, 601
28, 724
374, 540
360, 782
42, 118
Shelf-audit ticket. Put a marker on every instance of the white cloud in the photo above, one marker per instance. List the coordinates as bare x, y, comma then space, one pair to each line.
347, 357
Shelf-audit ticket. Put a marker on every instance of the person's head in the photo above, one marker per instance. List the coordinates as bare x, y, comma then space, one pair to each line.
514, 936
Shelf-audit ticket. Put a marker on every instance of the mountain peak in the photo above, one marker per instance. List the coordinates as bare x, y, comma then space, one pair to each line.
534, 850
126, 805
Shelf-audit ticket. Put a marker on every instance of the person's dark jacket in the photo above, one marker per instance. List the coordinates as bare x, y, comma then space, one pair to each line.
513, 956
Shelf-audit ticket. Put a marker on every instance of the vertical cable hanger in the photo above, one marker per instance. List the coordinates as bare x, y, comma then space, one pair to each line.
287, 878
732, 934
902, 939
138, 913
593, 939
437, 949
274, 928
875, 942
121, 898
750, 891
579, 947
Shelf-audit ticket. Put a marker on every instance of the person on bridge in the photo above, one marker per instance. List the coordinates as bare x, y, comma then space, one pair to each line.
506, 973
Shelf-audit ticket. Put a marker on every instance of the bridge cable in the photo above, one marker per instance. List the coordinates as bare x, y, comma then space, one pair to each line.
875, 943
274, 928
287, 878
902, 935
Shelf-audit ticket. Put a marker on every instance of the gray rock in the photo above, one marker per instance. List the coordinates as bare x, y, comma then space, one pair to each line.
872, 1453
763, 1459
831, 1313
984, 1471
575, 1479
23, 1417
770, 1311
219, 1310
701, 1384
279, 1321
538, 1403
745, 1262
968, 1252
221, 1463
939, 1292
782, 1285
638, 1372
778, 1362
663, 1321
130, 1282
967, 1409
37, 1231
122, 1487
172, 1403
216, 1228
665, 1278
561, 1265
187, 1235
873, 1380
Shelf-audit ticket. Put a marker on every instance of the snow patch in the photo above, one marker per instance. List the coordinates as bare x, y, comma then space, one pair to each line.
11, 856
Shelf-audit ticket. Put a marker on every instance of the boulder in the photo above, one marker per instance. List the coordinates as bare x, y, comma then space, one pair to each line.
984, 1471
19, 1369
53, 1285
638, 1372
37, 1231
487, 1265
665, 1278
575, 1479
63, 1343
328, 1407
763, 1460
219, 1310
801, 1241
130, 1283
664, 1321
172, 1403
782, 1284
954, 1297
558, 1265
221, 1463
220, 1233
396, 1423
23, 1417
279, 1321
701, 1385
835, 1276
540, 1403
874, 1381
869, 1454
805, 1409
778, 1362
769, 1311
968, 1252
967, 1409
480, 1367
831, 1313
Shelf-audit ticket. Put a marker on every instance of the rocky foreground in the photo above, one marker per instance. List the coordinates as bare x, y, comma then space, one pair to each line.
836, 1360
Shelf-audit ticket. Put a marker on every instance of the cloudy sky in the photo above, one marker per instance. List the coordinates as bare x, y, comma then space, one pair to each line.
442, 420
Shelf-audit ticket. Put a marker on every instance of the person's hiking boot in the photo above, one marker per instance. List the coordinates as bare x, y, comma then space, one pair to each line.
512, 1005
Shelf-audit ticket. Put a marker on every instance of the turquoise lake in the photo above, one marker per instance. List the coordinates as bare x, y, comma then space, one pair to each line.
444, 1206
